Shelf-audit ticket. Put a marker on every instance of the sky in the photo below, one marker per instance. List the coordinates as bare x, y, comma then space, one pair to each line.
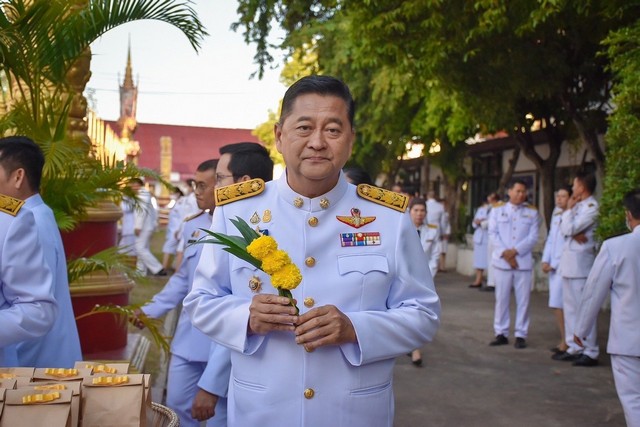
178, 86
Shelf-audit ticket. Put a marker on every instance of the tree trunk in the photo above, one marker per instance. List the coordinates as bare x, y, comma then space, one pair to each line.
506, 177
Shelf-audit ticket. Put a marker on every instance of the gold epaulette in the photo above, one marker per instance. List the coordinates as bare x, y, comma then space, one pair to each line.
384, 197
238, 191
534, 207
432, 226
194, 216
498, 204
10, 205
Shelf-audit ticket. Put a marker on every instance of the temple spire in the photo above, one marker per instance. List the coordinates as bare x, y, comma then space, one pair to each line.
128, 74
128, 101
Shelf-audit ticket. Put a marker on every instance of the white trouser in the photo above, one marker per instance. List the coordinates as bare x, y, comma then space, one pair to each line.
571, 293
182, 386
555, 290
520, 282
626, 375
491, 281
146, 260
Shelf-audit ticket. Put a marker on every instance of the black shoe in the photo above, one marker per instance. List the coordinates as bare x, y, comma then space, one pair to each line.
473, 285
417, 363
520, 343
500, 340
487, 289
162, 272
565, 356
585, 360
556, 350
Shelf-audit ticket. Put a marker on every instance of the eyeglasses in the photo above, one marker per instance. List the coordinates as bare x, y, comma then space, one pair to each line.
220, 177
199, 186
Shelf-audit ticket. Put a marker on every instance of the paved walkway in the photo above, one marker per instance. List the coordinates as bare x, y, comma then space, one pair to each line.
464, 382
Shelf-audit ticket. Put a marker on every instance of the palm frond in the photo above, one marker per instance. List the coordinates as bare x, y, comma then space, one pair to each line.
105, 261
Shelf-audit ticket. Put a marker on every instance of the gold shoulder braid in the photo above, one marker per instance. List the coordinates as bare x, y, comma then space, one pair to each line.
10, 205
194, 216
384, 197
238, 191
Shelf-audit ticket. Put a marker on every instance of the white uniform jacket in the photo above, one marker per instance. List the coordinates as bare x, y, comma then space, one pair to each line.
27, 305
481, 233
435, 213
188, 342
145, 215
616, 270
555, 241
383, 286
60, 347
577, 258
513, 227
430, 241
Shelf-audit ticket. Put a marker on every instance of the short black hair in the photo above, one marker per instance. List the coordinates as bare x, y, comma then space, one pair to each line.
631, 202
249, 158
357, 175
136, 181
567, 188
417, 201
321, 85
21, 152
588, 180
210, 164
517, 181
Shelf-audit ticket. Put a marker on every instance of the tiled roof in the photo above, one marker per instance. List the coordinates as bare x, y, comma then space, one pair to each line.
191, 145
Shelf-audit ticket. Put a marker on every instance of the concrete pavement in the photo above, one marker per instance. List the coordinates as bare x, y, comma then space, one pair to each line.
464, 382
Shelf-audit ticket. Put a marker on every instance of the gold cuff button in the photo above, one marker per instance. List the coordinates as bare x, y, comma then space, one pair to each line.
309, 393
309, 302
310, 261
313, 221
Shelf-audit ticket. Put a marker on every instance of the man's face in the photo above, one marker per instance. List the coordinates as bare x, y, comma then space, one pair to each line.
205, 182
418, 213
562, 197
517, 194
223, 174
315, 140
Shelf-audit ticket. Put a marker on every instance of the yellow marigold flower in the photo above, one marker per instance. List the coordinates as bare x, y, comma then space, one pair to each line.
275, 261
288, 277
261, 247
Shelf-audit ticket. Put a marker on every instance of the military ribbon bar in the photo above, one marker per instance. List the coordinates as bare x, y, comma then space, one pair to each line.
360, 239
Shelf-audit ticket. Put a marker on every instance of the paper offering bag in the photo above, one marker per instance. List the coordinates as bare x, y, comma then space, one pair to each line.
119, 368
113, 401
73, 386
23, 407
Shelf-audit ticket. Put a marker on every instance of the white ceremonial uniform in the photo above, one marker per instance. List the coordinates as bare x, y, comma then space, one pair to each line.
127, 243
430, 241
481, 237
375, 274
575, 264
435, 213
551, 255
190, 348
146, 217
60, 347
513, 227
617, 270
174, 224
27, 306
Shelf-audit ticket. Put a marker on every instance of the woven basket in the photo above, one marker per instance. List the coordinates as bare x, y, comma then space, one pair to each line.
162, 416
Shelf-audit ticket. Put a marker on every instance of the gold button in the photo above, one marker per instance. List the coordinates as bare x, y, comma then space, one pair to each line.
310, 261
313, 221
309, 393
309, 302
298, 202
324, 203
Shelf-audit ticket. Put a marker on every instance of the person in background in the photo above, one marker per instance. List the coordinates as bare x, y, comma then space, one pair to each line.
480, 225
578, 226
145, 219
429, 235
495, 201
173, 228
356, 175
28, 309
551, 263
513, 228
326, 364
126, 230
616, 272
435, 210
446, 235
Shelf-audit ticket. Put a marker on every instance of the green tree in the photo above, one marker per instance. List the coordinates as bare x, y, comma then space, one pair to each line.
623, 136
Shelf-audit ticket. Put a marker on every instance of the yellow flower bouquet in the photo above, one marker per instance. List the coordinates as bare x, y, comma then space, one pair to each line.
262, 252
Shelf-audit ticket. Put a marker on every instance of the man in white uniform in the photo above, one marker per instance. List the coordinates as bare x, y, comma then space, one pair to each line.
145, 219
366, 296
435, 210
578, 227
616, 270
60, 347
480, 226
513, 228
551, 262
